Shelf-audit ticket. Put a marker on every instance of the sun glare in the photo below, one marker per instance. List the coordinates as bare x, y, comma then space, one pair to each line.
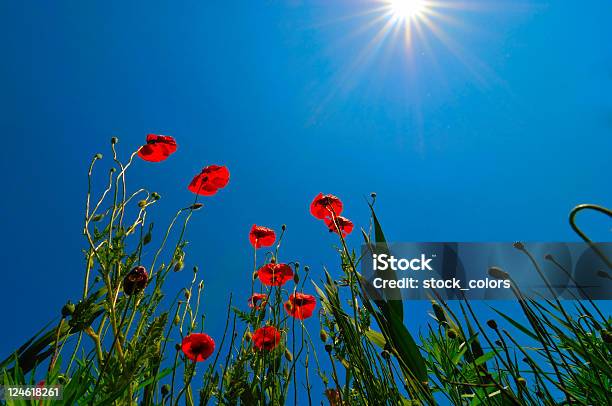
407, 9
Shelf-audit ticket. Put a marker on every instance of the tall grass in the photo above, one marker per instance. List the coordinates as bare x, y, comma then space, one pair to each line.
119, 344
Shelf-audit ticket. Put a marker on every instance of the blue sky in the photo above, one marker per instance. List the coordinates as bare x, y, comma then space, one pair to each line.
494, 136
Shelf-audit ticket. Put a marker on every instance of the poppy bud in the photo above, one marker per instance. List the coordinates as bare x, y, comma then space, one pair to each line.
606, 336
165, 389
498, 342
196, 206
288, 355
306, 269
284, 227
142, 204
248, 336
323, 335
272, 260
177, 346
373, 195
114, 140
255, 275
136, 280
68, 309
603, 274
62, 379
519, 246
187, 294
498, 273
492, 324
113, 170
195, 269
522, 381
438, 312
385, 354
201, 285
98, 156
328, 347
155, 196
451, 333
296, 278
548, 257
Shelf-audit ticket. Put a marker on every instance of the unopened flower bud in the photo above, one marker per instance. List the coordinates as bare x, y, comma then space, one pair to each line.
288, 355
328, 347
385, 354
306, 269
135, 281
195, 269
519, 245
498, 343
114, 140
155, 196
98, 156
521, 381
187, 294
296, 278
255, 275
323, 335
438, 312
498, 273
196, 206
284, 227
451, 333
492, 324
113, 170
248, 336
177, 320
177, 347
606, 336
373, 195
548, 257
68, 309
165, 390
142, 204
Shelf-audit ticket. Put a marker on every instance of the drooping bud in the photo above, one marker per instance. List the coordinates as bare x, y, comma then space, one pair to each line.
98, 156
155, 196
68, 309
114, 140
498, 273
136, 280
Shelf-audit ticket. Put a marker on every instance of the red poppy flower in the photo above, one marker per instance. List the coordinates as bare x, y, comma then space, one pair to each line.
275, 274
345, 225
266, 338
157, 148
261, 236
198, 346
300, 305
258, 301
210, 180
324, 206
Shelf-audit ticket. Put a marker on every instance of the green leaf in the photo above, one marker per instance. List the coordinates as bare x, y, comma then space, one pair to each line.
376, 338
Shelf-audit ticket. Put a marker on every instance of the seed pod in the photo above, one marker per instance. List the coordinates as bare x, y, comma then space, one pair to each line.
136, 280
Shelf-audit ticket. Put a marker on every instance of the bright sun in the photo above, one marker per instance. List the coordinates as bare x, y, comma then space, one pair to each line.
407, 9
